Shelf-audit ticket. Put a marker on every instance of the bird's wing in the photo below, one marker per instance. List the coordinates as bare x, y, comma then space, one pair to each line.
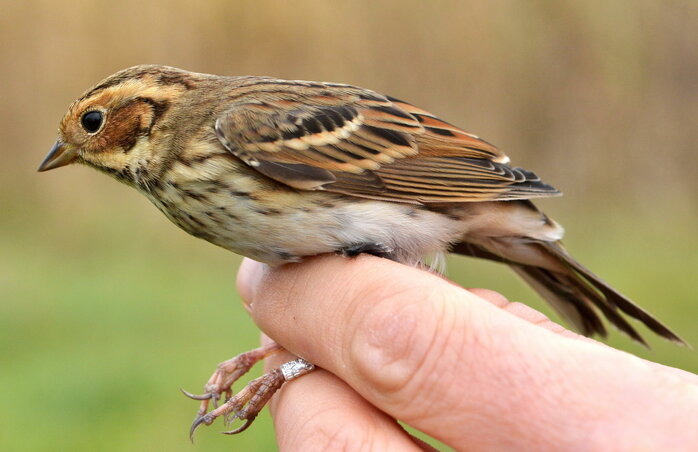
344, 139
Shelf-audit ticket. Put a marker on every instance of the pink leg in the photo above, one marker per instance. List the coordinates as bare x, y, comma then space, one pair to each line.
246, 404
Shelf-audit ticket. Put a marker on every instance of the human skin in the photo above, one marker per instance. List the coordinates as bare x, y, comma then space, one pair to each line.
464, 366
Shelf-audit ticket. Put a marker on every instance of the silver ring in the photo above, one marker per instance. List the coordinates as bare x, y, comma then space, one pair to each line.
296, 368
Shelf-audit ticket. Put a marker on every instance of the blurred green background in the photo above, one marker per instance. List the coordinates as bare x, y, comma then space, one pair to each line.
106, 309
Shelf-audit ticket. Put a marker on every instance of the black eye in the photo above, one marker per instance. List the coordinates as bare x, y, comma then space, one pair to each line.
92, 121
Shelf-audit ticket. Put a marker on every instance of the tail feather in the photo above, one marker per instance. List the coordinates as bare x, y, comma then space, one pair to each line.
612, 296
575, 292
566, 292
579, 313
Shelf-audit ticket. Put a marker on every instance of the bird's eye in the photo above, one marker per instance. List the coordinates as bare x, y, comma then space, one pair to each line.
92, 121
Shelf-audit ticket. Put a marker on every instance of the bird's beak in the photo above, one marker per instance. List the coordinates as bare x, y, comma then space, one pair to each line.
59, 155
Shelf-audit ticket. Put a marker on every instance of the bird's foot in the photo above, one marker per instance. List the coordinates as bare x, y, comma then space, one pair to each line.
247, 403
227, 373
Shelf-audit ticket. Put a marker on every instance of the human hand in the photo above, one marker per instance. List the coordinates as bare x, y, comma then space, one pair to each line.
466, 367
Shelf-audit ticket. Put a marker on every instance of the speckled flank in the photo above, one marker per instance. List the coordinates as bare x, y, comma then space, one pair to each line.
277, 224
302, 225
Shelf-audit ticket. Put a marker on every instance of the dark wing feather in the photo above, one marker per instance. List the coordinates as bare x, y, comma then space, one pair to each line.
349, 140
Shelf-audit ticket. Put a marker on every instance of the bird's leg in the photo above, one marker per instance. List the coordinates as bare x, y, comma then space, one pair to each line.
247, 404
374, 249
228, 372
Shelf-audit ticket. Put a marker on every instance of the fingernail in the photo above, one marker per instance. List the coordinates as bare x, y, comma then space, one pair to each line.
249, 277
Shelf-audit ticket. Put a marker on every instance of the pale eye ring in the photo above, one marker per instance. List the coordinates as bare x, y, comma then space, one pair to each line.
92, 121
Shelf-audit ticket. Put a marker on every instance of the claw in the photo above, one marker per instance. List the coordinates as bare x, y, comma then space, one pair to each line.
195, 396
214, 399
255, 395
197, 422
240, 429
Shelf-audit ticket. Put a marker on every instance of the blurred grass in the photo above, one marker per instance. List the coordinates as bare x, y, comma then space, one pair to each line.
106, 309
97, 341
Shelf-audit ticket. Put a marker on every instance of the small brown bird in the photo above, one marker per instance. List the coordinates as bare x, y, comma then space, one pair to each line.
278, 170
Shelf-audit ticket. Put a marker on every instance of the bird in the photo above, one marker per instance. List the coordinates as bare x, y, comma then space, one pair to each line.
280, 170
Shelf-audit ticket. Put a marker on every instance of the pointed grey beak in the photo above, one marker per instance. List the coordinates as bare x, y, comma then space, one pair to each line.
59, 155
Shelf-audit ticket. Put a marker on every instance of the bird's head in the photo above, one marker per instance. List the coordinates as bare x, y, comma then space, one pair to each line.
111, 127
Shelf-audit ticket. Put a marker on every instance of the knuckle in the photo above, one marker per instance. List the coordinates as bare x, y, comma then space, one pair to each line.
398, 342
493, 297
525, 312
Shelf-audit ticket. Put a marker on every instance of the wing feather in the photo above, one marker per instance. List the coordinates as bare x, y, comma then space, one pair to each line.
340, 138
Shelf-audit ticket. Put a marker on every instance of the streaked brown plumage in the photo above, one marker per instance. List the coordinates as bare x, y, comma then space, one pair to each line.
278, 170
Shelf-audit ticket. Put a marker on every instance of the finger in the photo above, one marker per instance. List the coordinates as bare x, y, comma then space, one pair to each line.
527, 313
320, 412
448, 362
537, 318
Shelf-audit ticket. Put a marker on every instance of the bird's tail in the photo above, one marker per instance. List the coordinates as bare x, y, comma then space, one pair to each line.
574, 291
